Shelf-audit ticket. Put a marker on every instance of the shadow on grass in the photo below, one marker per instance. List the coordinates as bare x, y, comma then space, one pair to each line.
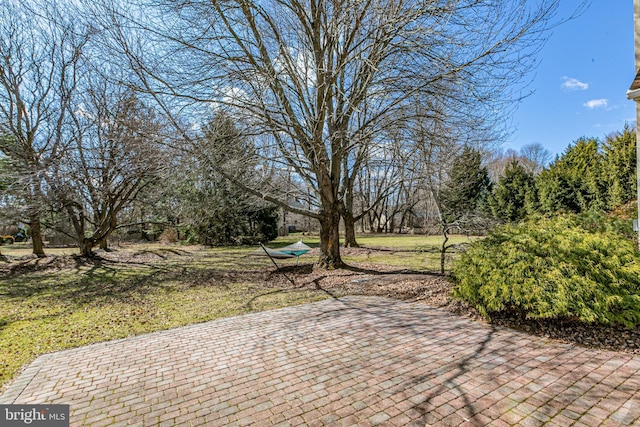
79, 281
403, 271
282, 271
72, 282
162, 252
307, 268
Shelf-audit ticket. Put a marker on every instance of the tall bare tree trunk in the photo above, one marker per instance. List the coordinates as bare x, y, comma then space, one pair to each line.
36, 235
86, 247
349, 221
349, 230
330, 239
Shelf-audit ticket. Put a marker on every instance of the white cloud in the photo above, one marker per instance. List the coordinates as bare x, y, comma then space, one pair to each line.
596, 103
569, 83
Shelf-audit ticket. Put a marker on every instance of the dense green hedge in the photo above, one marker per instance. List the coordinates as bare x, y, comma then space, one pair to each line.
579, 267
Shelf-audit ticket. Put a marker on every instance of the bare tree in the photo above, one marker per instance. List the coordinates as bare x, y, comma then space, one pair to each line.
449, 184
497, 161
324, 77
534, 157
115, 153
437, 155
382, 182
39, 55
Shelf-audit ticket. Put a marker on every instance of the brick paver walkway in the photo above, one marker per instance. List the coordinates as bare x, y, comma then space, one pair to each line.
352, 361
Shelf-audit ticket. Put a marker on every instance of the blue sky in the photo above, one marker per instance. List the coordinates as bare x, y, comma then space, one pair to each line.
580, 84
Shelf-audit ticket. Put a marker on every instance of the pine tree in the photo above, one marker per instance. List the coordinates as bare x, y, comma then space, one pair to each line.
514, 196
619, 150
574, 181
468, 187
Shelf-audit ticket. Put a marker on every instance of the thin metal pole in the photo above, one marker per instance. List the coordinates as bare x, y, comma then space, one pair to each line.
269, 255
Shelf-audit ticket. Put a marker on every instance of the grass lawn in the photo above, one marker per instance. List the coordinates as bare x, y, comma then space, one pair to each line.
415, 252
147, 288
407, 242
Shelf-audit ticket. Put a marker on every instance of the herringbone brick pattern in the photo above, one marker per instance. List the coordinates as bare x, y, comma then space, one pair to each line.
357, 361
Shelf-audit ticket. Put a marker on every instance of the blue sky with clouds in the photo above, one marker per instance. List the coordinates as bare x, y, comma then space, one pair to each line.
580, 84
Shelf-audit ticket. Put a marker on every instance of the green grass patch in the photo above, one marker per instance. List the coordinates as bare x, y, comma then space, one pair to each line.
146, 288
22, 249
415, 252
416, 261
406, 242
47, 311
576, 267
409, 242
408, 251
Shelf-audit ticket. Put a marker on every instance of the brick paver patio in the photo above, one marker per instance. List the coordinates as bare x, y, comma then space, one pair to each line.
351, 361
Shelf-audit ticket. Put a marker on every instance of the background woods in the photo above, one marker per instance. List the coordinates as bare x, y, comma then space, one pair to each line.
220, 123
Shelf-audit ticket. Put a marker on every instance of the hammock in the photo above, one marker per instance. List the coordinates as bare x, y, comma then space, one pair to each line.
293, 250
296, 249
272, 253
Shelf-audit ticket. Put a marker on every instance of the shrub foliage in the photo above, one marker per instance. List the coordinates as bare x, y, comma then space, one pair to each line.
575, 267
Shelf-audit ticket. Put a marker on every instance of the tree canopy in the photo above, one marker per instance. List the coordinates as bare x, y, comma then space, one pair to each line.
326, 100
326, 79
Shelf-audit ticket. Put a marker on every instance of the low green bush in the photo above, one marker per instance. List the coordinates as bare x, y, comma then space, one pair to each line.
575, 267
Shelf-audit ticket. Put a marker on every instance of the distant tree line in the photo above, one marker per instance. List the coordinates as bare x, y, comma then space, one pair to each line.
590, 175
208, 117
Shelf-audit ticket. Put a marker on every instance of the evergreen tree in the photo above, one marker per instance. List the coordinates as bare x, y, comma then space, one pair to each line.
619, 150
215, 211
468, 187
514, 196
574, 181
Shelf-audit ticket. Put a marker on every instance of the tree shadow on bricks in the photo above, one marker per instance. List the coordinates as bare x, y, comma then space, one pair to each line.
443, 377
462, 407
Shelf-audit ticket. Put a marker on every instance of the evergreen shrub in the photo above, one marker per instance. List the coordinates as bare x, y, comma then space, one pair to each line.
573, 267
